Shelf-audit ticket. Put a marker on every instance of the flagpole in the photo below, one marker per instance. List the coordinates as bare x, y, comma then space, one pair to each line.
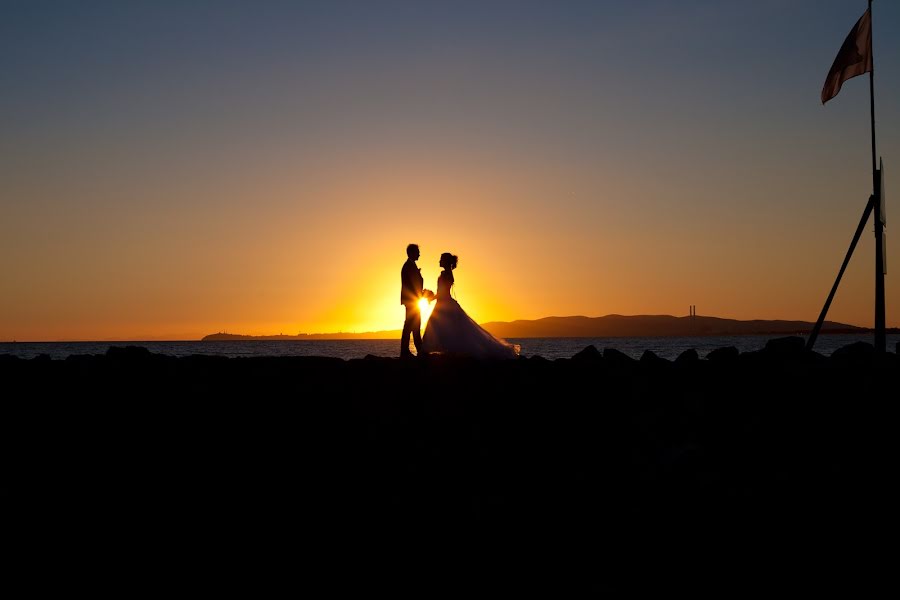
880, 338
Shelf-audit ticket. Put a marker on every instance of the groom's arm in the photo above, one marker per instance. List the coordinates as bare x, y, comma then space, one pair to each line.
421, 283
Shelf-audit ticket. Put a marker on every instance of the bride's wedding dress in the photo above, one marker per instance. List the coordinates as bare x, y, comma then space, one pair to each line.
451, 331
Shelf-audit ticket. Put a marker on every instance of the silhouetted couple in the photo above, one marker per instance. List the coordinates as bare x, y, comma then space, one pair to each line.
449, 329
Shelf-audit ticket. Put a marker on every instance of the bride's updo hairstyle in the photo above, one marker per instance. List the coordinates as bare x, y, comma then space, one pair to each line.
449, 260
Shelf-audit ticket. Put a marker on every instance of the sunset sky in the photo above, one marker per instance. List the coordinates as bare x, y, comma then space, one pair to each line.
172, 169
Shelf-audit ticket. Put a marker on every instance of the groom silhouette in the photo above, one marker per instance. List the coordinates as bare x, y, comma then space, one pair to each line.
411, 290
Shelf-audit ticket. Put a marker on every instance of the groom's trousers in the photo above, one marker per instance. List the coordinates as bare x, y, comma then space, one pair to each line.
412, 324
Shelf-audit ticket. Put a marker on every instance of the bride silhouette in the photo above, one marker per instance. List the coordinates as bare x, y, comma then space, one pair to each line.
451, 331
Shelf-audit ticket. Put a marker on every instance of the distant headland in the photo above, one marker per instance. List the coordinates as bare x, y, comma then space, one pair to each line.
608, 326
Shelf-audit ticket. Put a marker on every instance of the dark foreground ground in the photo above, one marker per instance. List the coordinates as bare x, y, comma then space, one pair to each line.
770, 470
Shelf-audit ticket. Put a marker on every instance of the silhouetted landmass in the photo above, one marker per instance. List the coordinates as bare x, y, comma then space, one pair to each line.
655, 325
608, 326
596, 455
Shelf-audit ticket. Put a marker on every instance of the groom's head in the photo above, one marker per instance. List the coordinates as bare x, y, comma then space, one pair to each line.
412, 251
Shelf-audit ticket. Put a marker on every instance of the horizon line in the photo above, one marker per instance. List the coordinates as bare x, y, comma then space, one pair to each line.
397, 331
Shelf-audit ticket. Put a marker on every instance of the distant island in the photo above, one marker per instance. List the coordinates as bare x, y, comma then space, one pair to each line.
608, 326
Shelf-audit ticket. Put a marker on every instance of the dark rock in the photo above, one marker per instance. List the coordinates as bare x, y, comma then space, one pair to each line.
588, 354
617, 358
41, 358
615, 451
128, 353
652, 358
816, 358
208, 359
80, 358
751, 358
688, 356
727, 354
654, 365
855, 352
791, 346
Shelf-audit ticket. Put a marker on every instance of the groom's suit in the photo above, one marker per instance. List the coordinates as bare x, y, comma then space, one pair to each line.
411, 289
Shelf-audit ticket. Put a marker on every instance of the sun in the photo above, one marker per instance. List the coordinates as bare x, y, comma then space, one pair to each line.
425, 309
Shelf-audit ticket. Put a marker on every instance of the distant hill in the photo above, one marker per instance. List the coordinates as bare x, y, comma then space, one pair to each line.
655, 325
608, 326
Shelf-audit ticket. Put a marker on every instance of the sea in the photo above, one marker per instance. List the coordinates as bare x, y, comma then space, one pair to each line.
549, 348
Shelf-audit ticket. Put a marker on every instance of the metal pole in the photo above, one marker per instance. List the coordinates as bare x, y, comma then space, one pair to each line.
859, 229
880, 337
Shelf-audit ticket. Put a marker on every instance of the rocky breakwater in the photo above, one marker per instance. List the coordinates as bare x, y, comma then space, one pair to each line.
599, 443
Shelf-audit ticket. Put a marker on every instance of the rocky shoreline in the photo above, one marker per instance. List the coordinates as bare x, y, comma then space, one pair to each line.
599, 444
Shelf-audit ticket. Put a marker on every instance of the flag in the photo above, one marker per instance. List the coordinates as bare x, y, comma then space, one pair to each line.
854, 57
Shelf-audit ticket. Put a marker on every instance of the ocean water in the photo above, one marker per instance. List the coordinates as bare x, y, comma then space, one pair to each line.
550, 348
